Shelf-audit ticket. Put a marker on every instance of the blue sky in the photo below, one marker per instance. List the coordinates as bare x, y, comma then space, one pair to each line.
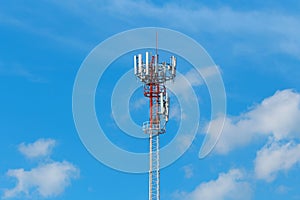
256, 45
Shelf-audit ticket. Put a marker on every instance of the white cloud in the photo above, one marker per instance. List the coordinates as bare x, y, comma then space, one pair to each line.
231, 185
207, 72
277, 116
49, 178
139, 103
183, 141
40, 148
46, 180
175, 113
282, 189
275, 157
194, 78
267, 25
17, 69
46, 30
184, 81
188, 171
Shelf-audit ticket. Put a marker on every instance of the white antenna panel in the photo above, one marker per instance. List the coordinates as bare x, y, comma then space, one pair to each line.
140, 63
135, 67
147, 63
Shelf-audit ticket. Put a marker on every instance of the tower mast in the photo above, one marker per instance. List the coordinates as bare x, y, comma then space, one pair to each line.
154, 75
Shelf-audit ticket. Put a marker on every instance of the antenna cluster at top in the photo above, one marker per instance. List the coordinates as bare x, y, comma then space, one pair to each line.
150, 70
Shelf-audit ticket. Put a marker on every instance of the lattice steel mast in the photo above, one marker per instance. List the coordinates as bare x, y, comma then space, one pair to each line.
154, 75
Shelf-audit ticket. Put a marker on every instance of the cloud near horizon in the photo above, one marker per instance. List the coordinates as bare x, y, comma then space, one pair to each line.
277, 116
275, 157
48, 179
230, 185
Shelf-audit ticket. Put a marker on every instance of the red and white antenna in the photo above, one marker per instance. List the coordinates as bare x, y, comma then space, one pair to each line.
154, 75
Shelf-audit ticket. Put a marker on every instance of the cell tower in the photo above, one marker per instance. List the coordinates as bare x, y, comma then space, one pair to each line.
154, 75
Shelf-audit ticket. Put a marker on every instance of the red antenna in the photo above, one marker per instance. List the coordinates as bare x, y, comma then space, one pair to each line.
156, 42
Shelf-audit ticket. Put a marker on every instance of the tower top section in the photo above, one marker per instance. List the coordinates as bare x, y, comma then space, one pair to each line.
149, 70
